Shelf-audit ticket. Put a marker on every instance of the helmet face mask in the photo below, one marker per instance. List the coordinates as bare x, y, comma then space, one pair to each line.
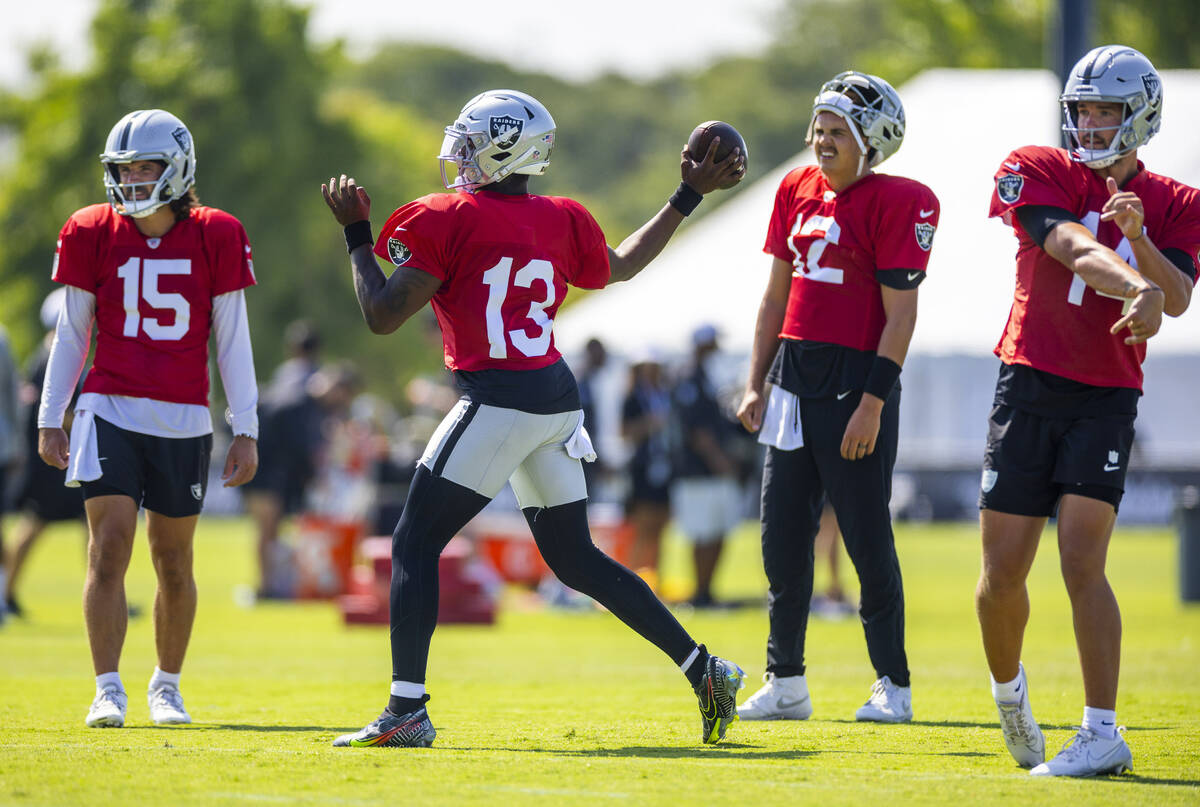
154, 135
1112, 74
872, 108
498, 133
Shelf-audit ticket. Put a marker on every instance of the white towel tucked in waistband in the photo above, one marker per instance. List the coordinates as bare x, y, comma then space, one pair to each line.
84, 464
781, 421
579, 444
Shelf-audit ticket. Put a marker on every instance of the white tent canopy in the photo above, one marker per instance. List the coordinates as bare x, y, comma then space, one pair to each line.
961, 124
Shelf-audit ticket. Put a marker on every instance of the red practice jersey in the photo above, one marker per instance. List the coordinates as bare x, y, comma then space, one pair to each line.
153, 297
504, 262
1057, 323
836, 242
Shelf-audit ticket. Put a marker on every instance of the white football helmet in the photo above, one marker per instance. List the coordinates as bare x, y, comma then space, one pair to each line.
873, 108
149, 134
1120, 75
498, 133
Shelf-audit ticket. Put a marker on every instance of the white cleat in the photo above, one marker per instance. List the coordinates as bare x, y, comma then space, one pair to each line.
166, 706
778, 699
1088, 754
1021, 733
108, 709
888, 703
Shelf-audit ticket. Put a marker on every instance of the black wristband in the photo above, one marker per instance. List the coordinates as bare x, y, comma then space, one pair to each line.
685, 199
357, 234
882, 378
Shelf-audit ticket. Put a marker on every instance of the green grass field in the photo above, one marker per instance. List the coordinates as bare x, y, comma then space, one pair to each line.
551, 707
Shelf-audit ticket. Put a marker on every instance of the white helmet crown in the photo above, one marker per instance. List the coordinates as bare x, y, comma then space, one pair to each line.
148, 134
497, 133
871, 104
1115, 74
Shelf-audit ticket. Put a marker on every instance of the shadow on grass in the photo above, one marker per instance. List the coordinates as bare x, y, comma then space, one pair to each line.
730, 750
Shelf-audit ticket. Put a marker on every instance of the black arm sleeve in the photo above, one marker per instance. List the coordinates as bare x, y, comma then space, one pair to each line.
1182, 261
902, 279
1039, 220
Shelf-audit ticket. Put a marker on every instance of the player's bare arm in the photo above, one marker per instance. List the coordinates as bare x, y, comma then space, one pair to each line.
386, 302
862, 431
1124, 208
705, 176
1074, 246
766, 342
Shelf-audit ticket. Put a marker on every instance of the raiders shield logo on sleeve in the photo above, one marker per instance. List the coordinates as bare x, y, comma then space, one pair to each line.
1009, 187
398, 251
505, 130
924, 232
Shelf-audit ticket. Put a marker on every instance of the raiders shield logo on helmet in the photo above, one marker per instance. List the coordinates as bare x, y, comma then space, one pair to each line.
505, 130
1009, 187
924, 232
183, 139
1153, 85
398, 251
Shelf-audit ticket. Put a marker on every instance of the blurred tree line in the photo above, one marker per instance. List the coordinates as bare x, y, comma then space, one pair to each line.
274, 114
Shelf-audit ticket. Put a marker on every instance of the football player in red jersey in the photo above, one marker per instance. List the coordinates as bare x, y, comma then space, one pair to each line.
849, 249
157, 273
1104, 248
495, 261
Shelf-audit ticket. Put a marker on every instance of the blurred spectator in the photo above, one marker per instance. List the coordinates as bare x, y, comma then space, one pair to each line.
9, 442
645, 417
705, 497
595, 357
289, 438
41, 495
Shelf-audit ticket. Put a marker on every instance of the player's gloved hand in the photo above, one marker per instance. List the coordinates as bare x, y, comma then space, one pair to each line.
348, 202
1144, 317
54, 447
706, 175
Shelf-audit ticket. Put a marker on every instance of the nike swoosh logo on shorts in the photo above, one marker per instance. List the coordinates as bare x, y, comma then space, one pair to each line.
842, 395
1112, 467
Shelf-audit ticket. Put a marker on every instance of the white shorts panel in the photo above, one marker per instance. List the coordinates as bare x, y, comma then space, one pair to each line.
705, 509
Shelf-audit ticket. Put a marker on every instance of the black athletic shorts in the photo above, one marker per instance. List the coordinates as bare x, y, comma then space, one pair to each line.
166, 475
1032, 460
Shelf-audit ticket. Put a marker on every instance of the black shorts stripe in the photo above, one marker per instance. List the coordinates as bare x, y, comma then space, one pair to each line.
455, 434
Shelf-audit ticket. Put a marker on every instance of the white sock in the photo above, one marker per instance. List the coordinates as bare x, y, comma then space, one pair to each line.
407, 689
1008, 691
105, 680
687, 662
1101, 721
161, 678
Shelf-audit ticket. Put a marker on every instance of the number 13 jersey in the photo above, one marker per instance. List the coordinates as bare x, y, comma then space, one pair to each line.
153, 297
505, 262
1057, 323
837, 244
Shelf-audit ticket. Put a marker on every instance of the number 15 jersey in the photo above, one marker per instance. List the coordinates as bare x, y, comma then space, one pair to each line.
1057, 323
505, 262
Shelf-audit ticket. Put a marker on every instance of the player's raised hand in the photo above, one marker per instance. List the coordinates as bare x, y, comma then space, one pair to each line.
54, 447
1144, 317
709, 174
241, 461
348, 201
1124, 208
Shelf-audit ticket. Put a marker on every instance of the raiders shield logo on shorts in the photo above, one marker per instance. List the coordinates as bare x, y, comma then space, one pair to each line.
197, 491
924, 232
505, 130
1009, 187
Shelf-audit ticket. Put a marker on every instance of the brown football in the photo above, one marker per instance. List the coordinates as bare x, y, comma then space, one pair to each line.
703, 134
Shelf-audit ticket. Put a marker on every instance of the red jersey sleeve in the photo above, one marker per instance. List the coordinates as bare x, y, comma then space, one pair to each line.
591, 271
1034, 175
229, 253
779, 229
905, 227
75, 256
415, 236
